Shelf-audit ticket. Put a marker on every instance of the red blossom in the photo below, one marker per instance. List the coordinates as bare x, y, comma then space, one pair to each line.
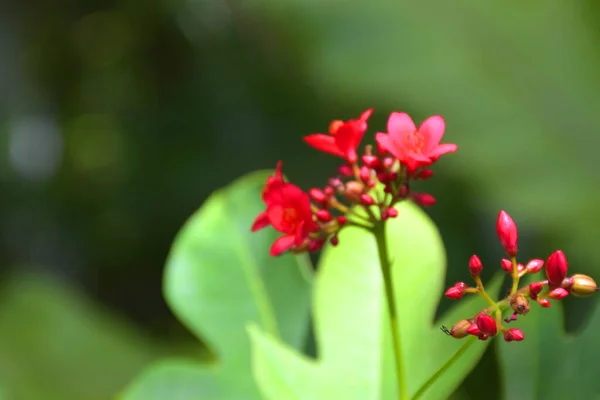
343, 139
288, 211
411, 146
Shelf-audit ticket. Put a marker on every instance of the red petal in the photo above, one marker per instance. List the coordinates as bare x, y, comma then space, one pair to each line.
260, 222
365, 116
400, 124
443, 149
324, 143
300, 236
432, 130
282, 244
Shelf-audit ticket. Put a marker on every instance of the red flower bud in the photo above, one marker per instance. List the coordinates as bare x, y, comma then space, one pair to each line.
513, 334
473, 329
487, 324
345, 170
371, 161
366, 199
475, 266
534, 265
317, 195
334, 240
353, 191
365, 174
392, 212
506, 265
556, 267
456, 292
388, 162
425, 174
423, 199
535, 288
544, 303
323, 216
342, 220
558, 294
507, 233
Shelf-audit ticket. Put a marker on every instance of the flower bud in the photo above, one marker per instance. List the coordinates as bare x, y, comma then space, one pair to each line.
556, 267
513, 334
457, 291
371, 161
558, 294
392, 212
341, 220
520, 305
365, 174
345, 170
473, 329
544, 303
535, 288
423, 199
323, 215
317, 195
334, 240
425, 174
475, 266
487, 324
459, 329
582, 285
366, 199
353, 191
534, 265
506, 265
507, 233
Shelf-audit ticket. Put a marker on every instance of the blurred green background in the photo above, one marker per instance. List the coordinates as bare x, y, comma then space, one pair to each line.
118, 118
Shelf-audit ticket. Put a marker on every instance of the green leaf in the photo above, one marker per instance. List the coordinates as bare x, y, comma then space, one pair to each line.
56, 344
351, 327
549, 364
219, 277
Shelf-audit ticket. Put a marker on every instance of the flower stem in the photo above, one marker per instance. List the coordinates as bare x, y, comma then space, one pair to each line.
444, 367
386, 269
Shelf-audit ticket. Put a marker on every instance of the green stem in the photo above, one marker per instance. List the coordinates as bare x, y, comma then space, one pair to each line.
386, 268
444, 367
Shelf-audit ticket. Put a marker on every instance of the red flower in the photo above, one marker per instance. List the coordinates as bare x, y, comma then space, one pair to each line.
288, 211
343, 138
411, 146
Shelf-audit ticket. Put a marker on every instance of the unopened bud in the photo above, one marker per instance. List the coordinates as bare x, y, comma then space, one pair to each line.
345, 170
366, 199
520, 305
353, 191
459, 329
457, 291
425, 174
392, 212
423, 199
507, 233
475, 266
341, 220
582, 285
334, 240
513, 334
365, 174
544, 303
534, 265
556, 267
535, 288
558, 294
371, 161
473, 329
487, 324
506, 265
323, 215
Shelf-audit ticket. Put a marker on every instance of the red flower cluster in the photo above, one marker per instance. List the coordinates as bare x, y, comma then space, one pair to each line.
366, 188
557, 286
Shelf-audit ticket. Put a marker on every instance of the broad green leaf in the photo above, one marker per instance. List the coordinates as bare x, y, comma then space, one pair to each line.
56, 344
549, 364
351, 327
218, 278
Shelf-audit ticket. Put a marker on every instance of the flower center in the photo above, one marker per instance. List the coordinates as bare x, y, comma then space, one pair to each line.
414, 142
290, 216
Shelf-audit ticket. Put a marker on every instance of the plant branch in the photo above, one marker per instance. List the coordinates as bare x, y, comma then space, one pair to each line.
386, 270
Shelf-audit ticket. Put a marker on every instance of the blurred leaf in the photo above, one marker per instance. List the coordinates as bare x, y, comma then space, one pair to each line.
350, 323
550, 364
55, 344
219, 277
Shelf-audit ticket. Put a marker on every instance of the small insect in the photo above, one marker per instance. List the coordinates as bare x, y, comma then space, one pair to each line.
445, 330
